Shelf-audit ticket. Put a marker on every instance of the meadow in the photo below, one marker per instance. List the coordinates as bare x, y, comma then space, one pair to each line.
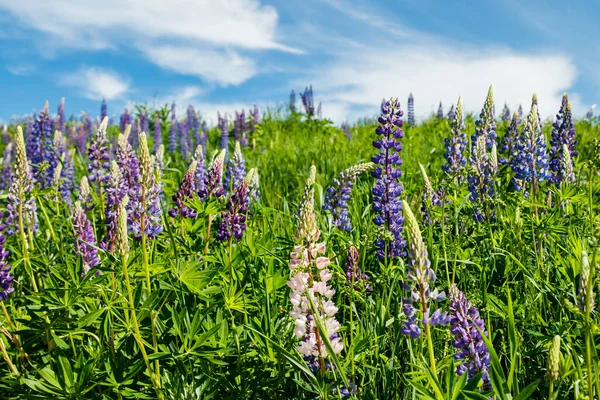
277, 256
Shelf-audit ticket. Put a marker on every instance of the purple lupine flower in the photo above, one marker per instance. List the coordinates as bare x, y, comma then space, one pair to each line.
233, 218
440, 112
451, 112
481, 181
423, 278
39, 148
388, 188
589, 115
21, 206
236, 170
223, 124
185, 193
157, 133
471, 348
213, 186
293, 101
353, 272
200, 174
80, 139
346, 129
338, 194
308, 102
60, 117
134, 134
5, 277
563, 134
520, 115
67, 176
455, 144
509, 141
5, 138
103, 110
144, 123
84, 240
486, 124
240, 128
430, 199
99, 159
411, 110
145, 214
530, 161
204, 135
184, 139
173, 130
124, 120
505, 113
115, 192
6, 169
88, 126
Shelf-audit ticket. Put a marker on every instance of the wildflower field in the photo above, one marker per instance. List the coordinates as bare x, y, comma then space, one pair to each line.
277, 256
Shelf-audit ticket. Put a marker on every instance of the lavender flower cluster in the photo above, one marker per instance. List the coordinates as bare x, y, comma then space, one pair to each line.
563, 137
6, 278
455, 144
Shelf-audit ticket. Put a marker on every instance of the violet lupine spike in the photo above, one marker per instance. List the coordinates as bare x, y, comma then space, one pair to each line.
145, 214
530, 162
346, 129
54, 156
240, 128
134, 134
84, 240
129, 166
486, 124
200, 174
88, 126
21, 206
430, 199
411, 110
124, 120
440, 111
60, 117
196, 129
293, 101
451, 112
388, 188
6, 278
520, 115
233, 218
6, 169
39, 147
563, 134
509, 141
471, 348
423, 277
99, 158
355, 276
505, 116
184, 140
81, 139
338, 194
481, 181
213, 186
236, 170
308, 101
456, 144
115, 192
185, 193
103, 110
172, 145
224, 127
157, 133
67, 176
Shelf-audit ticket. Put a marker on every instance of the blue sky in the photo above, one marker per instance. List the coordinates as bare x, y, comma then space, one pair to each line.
229, 54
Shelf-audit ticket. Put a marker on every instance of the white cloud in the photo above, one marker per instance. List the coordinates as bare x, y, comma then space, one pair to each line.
97, 83
21, 69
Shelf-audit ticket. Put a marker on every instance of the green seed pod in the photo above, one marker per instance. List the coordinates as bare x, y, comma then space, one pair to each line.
585, 284
554, 359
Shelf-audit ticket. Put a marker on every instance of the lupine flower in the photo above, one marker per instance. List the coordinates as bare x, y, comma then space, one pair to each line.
67, 176
423, 277
233, 218
481, 181
486, 124
494, 159
451, 112
456, 143
471, 348
590, 114
88, 126
236, 169
5, 138
213, 186
6, 169
204, 136
308, 102
311, 295
5, 277
224, 127
586, 284
134, 134
85, 194
54, 154
196, 129
173, 130
21, 206
353, 272
254, 188
338, 194
505, 114
145, 212
103, 110
520, 115
388, 188
530, 162
440, 112
239, 125
60, 117
98, 156
124, 120
563, 137
84, 240
129, 166
185, 193
39, 148
293, 101
121, 238
200, 174
80, 139
554, 360
115, 192
509, 141
411, 110
157, 133
254, 118
184, 140
159, 162
431, 198
346, 129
